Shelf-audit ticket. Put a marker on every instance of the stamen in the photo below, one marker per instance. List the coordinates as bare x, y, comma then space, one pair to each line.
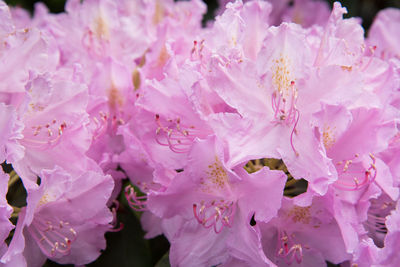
359, 177
196, 53
372, 50
285, 110
52, 238
136, 202
104, 122
287, 249
176, 136
101, 125
44, 136
216, 214
376, 221
116, 227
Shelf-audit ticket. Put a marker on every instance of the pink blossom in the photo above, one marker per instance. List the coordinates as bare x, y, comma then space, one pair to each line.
5, 212
10, 132
304, 235
279, 113
388, 257
299, 12
173, 128
341, 131
384, 33
65, 219
139, 90
22, 51
214, 202
55, 132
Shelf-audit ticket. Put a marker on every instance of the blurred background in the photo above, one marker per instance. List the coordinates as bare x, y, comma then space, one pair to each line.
365, 9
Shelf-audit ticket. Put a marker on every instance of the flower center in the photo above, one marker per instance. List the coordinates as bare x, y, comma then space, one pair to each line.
216, 214
53, 237
328, 137
44, 136
177, 136
287, 249
101, 29
135, 201
159, 13
284, 108
354, 176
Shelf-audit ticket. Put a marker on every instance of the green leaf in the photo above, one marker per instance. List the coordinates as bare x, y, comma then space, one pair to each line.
164, 261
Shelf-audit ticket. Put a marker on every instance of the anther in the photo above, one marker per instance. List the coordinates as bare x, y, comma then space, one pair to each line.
136, 202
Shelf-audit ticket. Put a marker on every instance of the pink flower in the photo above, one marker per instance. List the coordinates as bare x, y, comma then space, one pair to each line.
5, 213
242, 27
65, 219
389, 156
55, 130
215, 205
10, 132
342, 41
110, 105
22, 51
170, 129
301, 12
384, 33
297, 12
308, 235
277, 121
390, 227
351, 140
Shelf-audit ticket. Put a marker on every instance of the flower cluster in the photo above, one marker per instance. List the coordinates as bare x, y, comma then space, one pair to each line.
270, 137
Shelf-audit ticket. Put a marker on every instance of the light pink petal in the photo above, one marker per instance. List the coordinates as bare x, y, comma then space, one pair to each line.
208, 250
254, 201
244, 243
385, 32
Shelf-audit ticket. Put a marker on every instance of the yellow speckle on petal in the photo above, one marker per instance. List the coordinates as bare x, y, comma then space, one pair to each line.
158, 13
115, 98
347, 68
162, 57
101, 29
300, 214
216, 177
281, 76
216, 174
136, 79
46, 198
142, 61
328, 137
35, 107
234, 40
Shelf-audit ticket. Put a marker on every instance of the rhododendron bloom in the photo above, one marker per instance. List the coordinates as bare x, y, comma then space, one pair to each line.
65, 219
278, 115
267, 137
51, 123
208, 195
304, 235
5, 213
384, 33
